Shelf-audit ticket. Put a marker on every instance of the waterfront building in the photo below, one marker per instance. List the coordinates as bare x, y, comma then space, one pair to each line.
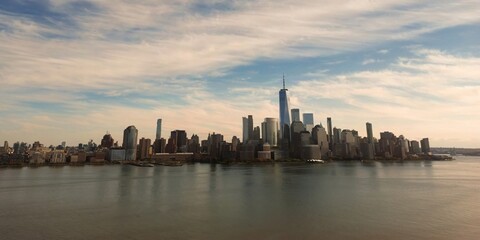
308, 121
387, 144
415, 147
158, 133
270, 131
116, 154
310, 152
319, 137
130, 136
144, 148
177, 141
367, 150
296, 143
265, 154
57, 157
295, 114
425, 144
284, 112
194, 144
159, 145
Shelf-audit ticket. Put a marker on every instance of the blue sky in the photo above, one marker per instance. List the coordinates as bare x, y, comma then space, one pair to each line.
72, 70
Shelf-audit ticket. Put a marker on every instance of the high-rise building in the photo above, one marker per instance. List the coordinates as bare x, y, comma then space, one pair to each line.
369, 133
425, 144
330, 133
159, 145
107, 141
144, 148
270, 131
296, 143
158, 134
250, 127
244, 129
308, 121
415, 147
284, 111
5, 146
319, 136
177, 141
130, 136
256, 133
295, 114
337, 132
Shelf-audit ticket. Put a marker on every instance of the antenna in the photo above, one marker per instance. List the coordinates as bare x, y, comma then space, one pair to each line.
284, 81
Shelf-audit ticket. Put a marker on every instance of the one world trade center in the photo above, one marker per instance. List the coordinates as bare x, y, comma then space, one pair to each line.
284, 116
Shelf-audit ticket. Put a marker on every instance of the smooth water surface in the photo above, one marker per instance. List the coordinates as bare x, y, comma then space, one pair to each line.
341, 200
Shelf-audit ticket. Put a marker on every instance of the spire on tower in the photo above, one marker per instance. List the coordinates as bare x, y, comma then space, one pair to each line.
284, 81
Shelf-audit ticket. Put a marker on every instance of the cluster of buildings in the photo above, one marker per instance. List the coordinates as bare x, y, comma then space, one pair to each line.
288, 137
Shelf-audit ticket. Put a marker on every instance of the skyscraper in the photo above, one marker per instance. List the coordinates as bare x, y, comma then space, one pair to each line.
295, 114
330, 133
284, 111
369, 133
144, 148
270, 131
130, 136
107, 141
308, 121
250, 127
244, 129
158, 134
425, 145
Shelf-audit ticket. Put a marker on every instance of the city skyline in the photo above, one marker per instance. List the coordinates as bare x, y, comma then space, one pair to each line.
71, 71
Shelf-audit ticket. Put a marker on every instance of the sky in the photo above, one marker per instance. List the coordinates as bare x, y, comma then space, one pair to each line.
72, 70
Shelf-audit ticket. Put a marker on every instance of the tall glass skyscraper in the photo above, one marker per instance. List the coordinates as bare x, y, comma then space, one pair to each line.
284, 111
158, 133
130, 135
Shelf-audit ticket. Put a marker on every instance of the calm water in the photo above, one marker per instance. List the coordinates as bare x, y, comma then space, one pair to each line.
415, 200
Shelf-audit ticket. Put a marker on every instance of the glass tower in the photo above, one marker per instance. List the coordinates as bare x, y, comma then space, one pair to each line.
284, 111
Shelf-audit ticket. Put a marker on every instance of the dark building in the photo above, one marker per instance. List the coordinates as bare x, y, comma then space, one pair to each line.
415, 147
159, 145
256, 133
194, 144
107, 141
296, 128
215, 145
330, 133
250, 127
387, 142
425, 144
144, 148
177, 141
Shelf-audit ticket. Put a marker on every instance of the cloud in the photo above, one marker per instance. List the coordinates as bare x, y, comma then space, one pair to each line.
369, 61
383, 51
432, 94
104, 60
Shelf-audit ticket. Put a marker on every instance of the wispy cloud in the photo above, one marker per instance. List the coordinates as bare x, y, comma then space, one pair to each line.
104, 60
